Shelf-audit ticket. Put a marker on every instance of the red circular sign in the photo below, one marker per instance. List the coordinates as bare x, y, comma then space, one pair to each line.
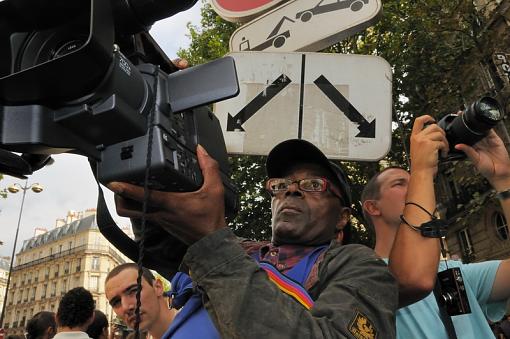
242, 5
243, 10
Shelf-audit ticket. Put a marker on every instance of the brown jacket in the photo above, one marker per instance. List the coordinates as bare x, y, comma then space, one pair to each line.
355, 294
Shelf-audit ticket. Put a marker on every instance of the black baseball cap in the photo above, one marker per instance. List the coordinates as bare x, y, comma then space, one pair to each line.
295, 151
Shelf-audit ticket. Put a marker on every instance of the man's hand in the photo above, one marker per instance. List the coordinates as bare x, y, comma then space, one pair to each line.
188, 216
427, 140
490, 158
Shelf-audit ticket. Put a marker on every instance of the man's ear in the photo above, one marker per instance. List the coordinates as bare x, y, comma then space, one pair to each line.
343, 218
370, 206
158, 286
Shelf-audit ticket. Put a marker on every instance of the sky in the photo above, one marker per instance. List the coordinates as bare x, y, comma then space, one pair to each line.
69, 184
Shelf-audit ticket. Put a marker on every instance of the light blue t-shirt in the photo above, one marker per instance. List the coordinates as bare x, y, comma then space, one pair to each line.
422, 320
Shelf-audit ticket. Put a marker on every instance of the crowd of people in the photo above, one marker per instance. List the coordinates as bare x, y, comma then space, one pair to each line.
308, 281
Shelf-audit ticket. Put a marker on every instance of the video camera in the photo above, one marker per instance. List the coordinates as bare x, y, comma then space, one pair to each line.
472, 125
86, 77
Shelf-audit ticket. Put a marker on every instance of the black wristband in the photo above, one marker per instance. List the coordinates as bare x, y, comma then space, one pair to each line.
435, 228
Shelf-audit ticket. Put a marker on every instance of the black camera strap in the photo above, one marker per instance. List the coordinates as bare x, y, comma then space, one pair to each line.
443, 314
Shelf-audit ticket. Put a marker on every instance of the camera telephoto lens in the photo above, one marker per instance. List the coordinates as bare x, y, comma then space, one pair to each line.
472, 125
482, 115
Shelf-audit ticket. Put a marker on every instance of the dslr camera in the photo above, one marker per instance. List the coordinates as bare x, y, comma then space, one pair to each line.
86, 77
453, 294
472, 125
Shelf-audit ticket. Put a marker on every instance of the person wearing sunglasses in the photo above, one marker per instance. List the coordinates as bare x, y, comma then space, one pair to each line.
304, 283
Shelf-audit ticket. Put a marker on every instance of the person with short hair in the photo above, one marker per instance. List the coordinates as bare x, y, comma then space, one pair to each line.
396, 209
75, 313
99, 327
304, 283
41, 326
120, 289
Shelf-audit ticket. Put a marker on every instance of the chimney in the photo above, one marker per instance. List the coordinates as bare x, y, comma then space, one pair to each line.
39, 231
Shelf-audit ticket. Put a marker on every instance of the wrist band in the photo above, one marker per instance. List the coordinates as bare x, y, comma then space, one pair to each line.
432, 216
435, 228
503, 194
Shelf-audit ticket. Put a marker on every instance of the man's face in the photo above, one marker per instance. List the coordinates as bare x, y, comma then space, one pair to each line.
307, 218
392, 194
121, 293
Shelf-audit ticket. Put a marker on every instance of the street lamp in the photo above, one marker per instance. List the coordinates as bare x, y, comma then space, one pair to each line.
15, 188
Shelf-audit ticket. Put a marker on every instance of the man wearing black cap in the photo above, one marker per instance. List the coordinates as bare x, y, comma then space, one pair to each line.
304, 283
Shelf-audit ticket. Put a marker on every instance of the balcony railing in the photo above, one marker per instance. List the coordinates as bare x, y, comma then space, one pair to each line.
88, 247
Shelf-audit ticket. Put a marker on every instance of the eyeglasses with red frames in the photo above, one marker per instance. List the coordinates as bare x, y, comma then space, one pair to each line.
279, 185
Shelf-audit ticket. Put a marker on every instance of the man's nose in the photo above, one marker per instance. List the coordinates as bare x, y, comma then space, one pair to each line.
127, 304
294, 190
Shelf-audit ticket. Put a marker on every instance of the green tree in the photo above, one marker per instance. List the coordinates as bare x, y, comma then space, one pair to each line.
425, 41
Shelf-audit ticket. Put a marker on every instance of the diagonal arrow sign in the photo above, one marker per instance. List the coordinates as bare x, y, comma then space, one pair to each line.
366, 129
235, 122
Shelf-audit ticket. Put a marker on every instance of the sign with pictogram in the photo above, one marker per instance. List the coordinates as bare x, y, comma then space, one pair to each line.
341, 103
242, 10
304, 25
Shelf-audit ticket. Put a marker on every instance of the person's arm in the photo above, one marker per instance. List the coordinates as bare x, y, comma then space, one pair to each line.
491, 159
414, 259
355, 292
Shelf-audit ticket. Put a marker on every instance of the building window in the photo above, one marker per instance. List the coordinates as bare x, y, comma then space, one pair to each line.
94, 283
78, 266
64, 287
465, 242
499, 221
95, 263
56, 270
47, 273
43, 292
66, 267
53, 289
32, 296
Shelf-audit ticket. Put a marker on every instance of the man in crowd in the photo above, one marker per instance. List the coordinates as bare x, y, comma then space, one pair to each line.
391, 206
120, 289
75, 313
335, 291
41, 326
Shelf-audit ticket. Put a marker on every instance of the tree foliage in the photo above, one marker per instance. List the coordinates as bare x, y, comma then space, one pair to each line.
426, 42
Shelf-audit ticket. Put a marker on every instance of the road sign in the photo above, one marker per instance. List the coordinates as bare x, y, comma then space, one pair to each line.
341, 103
304, 25
242, 10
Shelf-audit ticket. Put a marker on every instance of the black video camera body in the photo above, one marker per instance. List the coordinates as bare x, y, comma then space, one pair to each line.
85, 77
453, 292
69, 88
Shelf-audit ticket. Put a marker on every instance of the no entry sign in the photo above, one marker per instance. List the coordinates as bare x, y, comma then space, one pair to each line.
243, 10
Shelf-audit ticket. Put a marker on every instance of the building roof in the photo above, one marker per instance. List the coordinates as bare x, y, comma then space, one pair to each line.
77, 226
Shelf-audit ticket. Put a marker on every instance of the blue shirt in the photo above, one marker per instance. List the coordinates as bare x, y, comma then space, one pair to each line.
422, 320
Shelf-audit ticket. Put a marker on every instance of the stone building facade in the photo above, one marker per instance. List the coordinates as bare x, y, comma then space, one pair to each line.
72, 254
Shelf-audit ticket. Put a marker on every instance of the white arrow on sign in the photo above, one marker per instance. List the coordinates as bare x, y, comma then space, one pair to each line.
341, 103
304, 25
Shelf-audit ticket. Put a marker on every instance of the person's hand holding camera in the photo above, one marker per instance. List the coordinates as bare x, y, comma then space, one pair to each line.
188, 216
491, 159
427, 141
